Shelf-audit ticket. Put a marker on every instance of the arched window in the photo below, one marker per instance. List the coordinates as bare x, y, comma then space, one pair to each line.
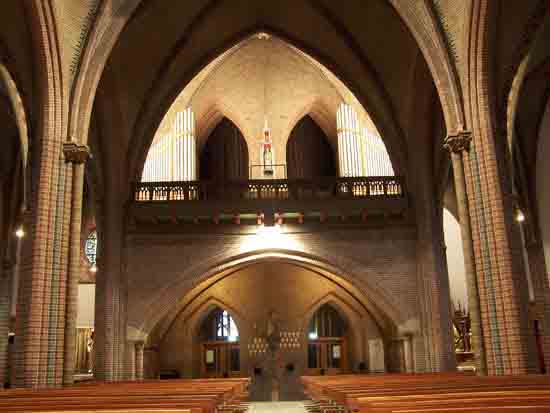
326, 322
327, 341
90, 247
172, 157
220, 326
220, 345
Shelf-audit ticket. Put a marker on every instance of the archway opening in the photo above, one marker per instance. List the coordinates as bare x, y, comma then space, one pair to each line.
458, 287
327, 350
266, 114
225, 154
309, 154
219, 342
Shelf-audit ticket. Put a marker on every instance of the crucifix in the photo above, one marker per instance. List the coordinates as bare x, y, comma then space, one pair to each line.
266, 151
269, 346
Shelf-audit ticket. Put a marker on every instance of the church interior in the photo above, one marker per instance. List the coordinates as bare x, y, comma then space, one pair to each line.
296, 205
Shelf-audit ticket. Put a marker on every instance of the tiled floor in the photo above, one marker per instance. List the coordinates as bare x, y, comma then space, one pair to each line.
277, 407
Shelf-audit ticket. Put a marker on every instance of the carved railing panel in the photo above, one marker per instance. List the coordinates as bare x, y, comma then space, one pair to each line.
276, 189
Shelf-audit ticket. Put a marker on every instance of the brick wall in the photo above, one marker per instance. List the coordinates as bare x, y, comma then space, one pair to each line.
378, 265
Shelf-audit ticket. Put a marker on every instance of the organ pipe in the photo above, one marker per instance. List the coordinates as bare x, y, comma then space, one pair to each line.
361, 152
173, 157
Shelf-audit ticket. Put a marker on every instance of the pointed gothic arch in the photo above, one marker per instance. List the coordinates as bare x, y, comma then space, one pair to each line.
224, 156
20, 118
309, 154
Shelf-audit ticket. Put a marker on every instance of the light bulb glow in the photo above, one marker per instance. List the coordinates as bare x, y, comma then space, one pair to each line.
268, 232
20, 233
520, 217
93, 268
313, 336
270, 237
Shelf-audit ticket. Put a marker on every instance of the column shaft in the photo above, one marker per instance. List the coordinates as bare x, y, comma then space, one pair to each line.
139, 360
130, 360
4, 320
73, 274
471, 279
4, 294
407, 350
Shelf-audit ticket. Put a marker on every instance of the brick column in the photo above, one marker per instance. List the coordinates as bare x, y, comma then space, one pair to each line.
5, 270
130, 363
140, 345
541, 289
110, 328
408, 354
502, 285
4, 293
77, 156
434, 294
456, 145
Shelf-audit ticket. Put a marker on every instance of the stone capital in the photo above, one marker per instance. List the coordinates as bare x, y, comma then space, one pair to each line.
75, 153
458, 142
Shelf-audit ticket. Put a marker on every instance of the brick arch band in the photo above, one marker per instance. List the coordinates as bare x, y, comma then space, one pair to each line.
19, 112
177, 296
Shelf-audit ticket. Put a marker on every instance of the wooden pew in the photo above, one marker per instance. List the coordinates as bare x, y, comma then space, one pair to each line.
181, 396
444, 392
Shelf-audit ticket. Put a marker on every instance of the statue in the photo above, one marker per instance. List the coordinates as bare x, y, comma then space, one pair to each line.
267, 151
273, 332
273, 338
90, 351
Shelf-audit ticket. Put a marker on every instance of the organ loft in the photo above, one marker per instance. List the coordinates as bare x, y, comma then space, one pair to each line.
239, 206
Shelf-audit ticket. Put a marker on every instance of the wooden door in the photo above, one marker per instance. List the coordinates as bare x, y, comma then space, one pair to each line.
327, 355
220, 359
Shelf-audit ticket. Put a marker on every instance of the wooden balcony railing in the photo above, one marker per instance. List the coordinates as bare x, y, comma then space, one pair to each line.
277, 189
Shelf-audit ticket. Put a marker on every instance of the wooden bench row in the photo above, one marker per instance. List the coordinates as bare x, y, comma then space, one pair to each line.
173, 396
441, 392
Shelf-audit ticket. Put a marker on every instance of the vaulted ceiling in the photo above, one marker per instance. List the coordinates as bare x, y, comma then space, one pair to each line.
369, 45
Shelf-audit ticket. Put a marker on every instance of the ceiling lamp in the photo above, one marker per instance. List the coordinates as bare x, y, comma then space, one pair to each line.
20, 233
520, 216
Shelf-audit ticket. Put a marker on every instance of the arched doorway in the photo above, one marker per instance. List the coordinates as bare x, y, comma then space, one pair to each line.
225, 154
308, 152
219, 341
327, 351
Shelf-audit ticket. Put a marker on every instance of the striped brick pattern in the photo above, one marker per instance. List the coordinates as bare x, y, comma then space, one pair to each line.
4, 319
110, 311
41, 302
502, 303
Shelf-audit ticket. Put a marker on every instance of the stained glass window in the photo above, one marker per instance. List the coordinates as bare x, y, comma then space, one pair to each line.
90, 247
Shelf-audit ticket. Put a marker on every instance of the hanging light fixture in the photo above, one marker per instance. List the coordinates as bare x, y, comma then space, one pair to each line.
20, 233
520, 216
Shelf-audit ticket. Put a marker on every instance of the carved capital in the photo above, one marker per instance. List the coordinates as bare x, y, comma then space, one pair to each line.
75, 153
459, 142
